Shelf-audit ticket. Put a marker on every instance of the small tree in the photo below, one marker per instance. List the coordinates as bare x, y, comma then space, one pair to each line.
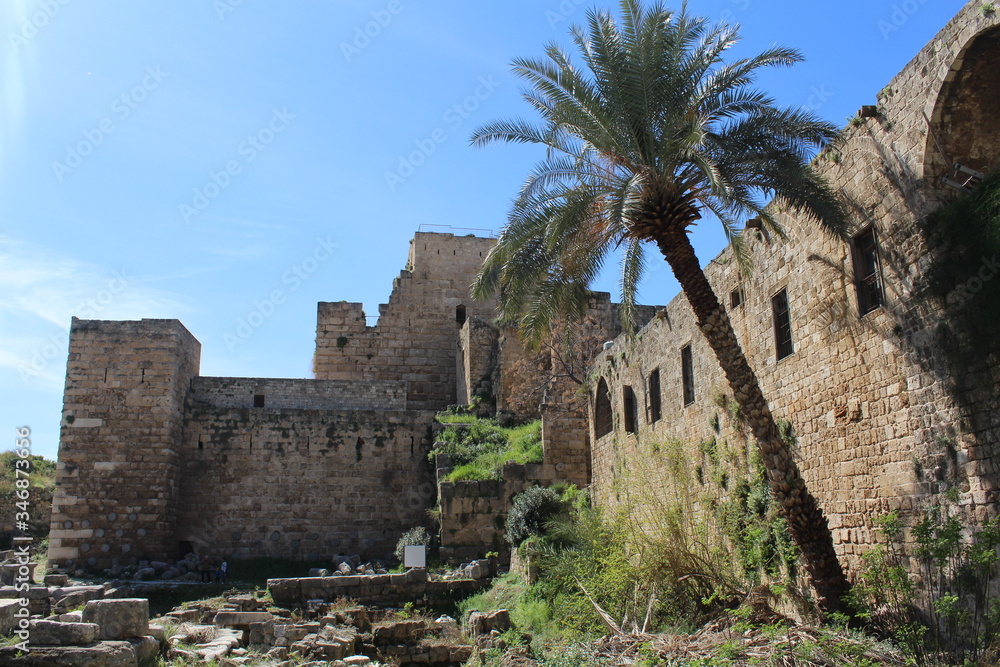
418, 536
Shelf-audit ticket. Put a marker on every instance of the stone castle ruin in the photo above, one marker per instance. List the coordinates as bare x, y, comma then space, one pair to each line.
155, 459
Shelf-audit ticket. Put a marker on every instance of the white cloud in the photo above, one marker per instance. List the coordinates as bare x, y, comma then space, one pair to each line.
41, 290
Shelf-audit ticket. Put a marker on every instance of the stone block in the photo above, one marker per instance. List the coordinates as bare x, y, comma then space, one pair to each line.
56, 633
119, 619
8, 621
239, 619
146, 649
100, 654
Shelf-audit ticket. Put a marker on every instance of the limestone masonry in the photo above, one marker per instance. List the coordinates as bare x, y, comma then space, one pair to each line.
156, 460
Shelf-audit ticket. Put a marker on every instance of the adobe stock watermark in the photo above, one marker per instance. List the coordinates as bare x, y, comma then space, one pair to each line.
899, 16
223, 7
248, 150
818, 97
91, 308
264, 309
365, 34
121, 109
32, 25
453, 119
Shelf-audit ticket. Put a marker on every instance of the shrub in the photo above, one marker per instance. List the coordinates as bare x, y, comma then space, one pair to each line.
479, 449
413, 537
529, 513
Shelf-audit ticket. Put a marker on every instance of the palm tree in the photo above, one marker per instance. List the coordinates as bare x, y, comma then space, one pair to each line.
656, 131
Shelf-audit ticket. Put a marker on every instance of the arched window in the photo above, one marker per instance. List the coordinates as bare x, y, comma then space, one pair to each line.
603, 422
460, 314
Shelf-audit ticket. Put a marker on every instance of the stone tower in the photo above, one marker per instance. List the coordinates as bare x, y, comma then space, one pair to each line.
123, 415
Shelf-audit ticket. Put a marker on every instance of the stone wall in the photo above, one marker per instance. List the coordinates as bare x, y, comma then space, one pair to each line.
303, 484
385, 590
298, 394
415, 338
474, 514
118, 475
870, 397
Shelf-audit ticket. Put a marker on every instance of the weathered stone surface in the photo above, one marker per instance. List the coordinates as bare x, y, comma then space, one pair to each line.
100, 654
8, 621
55, 633
119, 619
232, 619
146, 649
483, 624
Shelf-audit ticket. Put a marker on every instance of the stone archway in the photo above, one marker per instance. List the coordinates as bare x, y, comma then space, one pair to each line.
965, 125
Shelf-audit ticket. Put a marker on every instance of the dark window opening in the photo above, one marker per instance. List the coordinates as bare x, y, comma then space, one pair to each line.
142, 378
200, 443
736, 299
687, 373
782, 325
460, 315
655, 408
867, 276
258, 400
603, 422
631, 410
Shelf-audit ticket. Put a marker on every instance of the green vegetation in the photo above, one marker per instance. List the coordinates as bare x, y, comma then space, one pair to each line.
962, 625
530, 512
42, 473
601, 575
479, 448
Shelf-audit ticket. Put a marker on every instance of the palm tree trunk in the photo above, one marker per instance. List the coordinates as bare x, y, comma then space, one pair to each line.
805, 519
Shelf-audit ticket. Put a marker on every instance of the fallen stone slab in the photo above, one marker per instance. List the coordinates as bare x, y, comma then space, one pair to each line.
119, 619
55, 633
217, 649
100, 654
234, 619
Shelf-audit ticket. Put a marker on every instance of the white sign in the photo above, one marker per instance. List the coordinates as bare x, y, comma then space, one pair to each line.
415, 556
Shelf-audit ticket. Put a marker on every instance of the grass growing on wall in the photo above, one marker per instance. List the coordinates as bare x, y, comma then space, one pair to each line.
479, 448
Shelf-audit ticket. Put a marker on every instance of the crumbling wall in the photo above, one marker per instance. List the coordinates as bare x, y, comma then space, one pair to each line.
416, 336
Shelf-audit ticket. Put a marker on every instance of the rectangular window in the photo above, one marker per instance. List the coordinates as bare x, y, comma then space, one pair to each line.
687, 372
782, 325
258, 400
655, 411
736, 298
631, 410
867, 274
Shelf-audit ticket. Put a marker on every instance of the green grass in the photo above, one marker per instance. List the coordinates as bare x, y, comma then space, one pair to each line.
479, 448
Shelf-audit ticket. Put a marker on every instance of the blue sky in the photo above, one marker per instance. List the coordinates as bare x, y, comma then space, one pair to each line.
186, 159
